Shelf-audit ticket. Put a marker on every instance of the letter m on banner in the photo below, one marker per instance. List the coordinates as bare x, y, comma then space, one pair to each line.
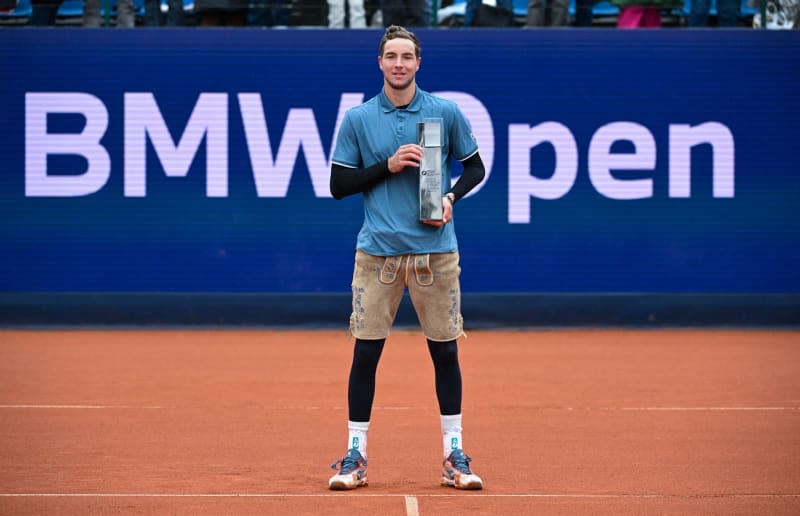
209, 119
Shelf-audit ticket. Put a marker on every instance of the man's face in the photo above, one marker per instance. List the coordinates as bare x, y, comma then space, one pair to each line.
399, 63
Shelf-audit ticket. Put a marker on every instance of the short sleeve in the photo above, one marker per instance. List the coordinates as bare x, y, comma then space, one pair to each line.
346, 152
462, 142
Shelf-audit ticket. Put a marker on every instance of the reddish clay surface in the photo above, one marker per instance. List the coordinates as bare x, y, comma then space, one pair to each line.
610, 422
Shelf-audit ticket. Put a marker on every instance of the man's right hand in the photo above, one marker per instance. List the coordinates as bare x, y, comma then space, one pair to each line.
409, 155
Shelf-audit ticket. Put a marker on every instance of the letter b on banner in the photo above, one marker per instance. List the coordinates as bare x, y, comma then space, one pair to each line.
39, 144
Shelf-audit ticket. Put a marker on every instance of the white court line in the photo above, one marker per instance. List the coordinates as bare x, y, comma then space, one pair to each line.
666, 409
710, 409
407, 497
412, 507
312, 407
80, 407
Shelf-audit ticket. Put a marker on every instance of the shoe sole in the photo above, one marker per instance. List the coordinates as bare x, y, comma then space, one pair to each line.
470, 486
339, 485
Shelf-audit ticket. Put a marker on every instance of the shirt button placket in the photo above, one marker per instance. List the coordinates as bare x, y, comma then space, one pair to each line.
401, 126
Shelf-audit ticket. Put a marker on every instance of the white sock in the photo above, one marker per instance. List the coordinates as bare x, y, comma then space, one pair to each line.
451, 433
357, 436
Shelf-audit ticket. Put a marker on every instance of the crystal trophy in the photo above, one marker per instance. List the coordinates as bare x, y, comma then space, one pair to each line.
429, 134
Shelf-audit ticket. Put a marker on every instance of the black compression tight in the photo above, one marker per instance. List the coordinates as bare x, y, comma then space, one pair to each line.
448, 376
361, 388
367, 354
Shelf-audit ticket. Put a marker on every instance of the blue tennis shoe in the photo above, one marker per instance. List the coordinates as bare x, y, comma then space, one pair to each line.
457, 473
352, 472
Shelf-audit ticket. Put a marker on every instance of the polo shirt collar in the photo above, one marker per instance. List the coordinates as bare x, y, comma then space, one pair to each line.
416, 102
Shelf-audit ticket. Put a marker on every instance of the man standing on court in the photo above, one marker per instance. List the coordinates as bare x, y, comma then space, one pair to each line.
378, 154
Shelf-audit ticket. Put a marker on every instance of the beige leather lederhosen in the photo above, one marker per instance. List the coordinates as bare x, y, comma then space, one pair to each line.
433, 285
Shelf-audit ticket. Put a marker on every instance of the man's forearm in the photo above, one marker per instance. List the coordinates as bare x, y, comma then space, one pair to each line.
348, 181
473, 174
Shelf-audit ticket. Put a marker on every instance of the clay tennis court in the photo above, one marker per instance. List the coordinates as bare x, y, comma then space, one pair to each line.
248, 422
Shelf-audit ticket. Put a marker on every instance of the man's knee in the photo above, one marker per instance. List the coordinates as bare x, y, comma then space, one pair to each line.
443, 353
367, 353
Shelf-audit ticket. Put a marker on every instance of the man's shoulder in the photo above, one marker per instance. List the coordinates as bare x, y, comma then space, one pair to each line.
366, 107
441, 105
437, 100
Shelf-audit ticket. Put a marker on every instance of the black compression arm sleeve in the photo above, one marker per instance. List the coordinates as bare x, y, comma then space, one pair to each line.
348, 181
474, 172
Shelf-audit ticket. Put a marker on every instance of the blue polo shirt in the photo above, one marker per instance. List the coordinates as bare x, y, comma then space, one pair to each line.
371, 133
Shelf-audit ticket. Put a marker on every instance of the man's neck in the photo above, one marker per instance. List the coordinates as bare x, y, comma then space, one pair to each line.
400, 97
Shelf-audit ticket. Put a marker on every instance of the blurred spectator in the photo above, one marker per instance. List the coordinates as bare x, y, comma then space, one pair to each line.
584, 17
336, 18
153, 17
550, 13
222, 13
272, 13
44, 12
411, 13
478, 14
781, 14
727, 13
635, 14
93, 18
373, 13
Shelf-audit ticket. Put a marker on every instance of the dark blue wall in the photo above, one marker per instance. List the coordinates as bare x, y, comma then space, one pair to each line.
184, 236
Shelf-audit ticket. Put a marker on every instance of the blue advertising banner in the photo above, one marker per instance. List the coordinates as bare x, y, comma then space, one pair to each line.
194, 160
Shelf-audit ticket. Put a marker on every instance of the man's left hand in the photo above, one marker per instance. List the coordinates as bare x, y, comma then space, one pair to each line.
447, 214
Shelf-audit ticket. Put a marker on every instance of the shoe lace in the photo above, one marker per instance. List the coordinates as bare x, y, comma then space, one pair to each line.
461, 461
348, 463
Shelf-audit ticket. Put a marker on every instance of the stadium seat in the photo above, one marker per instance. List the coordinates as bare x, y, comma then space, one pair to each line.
72, 9
21, 11
601, 9
458, 8
745, 9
